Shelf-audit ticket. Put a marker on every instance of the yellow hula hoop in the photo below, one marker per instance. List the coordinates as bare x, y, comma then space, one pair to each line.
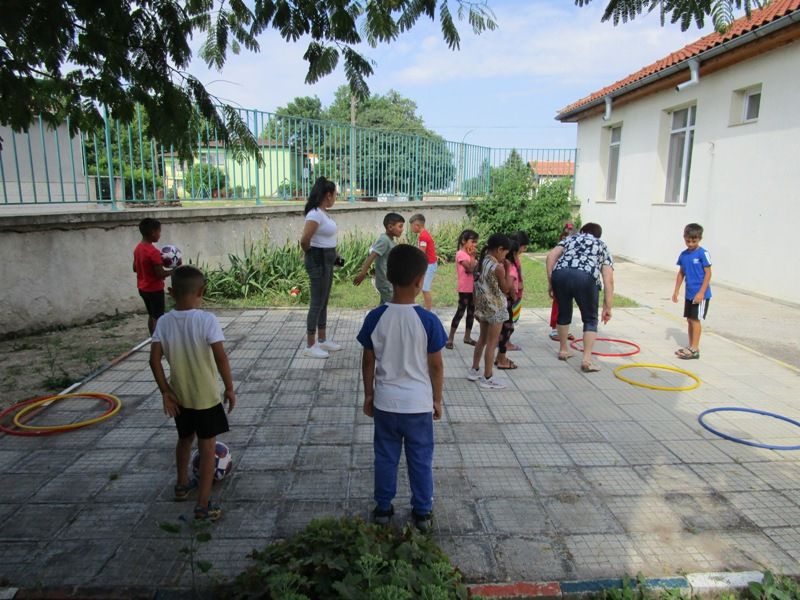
50, 399
658, 387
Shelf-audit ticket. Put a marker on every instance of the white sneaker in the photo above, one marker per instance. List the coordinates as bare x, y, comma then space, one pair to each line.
330, 346
493, 383
315, 352
474, 374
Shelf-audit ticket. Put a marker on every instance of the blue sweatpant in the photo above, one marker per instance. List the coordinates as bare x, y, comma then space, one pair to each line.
392, 430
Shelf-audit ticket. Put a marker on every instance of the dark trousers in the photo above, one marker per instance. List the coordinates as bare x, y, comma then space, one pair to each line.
574, 284
319, 266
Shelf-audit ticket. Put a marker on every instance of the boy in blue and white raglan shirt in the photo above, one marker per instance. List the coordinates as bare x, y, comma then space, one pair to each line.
403, 373
695, 267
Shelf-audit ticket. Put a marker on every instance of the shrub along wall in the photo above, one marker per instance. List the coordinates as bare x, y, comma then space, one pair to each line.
66, 269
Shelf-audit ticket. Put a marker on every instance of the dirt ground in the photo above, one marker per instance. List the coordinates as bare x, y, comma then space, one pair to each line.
47, 363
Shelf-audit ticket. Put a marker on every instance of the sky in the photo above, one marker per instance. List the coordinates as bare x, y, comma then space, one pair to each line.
502, 89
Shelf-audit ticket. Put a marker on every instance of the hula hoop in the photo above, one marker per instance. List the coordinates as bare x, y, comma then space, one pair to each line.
658, 387
114, 406
574, 345
745, 442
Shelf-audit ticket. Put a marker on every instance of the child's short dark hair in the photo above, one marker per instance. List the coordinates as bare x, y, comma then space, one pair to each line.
417, 218
186, 280
392, 219
592, 229
693, 231
148, 225
520, 237
405, 264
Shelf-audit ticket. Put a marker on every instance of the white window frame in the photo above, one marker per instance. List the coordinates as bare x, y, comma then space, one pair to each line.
612, 176
741, 100
749, 96
679, 156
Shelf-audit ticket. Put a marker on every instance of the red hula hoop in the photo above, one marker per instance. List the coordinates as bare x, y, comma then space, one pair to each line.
574, 345
111, 405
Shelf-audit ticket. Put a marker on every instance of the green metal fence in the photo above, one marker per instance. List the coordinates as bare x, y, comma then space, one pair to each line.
119, 164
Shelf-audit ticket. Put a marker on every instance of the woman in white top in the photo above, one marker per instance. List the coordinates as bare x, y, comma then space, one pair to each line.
319, 244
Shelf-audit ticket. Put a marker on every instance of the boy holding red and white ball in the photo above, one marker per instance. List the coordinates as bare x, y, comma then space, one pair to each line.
150, 272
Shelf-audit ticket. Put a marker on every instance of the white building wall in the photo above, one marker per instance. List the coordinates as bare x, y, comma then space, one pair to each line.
744, 186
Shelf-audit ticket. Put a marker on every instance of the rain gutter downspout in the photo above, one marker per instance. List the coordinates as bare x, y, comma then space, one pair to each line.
694, 70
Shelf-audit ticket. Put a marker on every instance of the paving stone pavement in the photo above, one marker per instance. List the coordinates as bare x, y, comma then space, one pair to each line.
563, 476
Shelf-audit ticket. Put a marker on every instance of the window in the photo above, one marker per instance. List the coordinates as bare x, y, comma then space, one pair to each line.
745, 105
679, 160
613, 163
752, 103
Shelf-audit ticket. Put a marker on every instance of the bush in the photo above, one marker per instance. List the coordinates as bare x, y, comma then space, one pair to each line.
347, 558
515, 203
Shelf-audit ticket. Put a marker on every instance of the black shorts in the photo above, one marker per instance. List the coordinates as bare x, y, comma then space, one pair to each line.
206, 423
154, 302
695, 312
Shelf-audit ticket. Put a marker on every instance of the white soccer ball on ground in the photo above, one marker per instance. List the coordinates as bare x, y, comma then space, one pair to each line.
223, 462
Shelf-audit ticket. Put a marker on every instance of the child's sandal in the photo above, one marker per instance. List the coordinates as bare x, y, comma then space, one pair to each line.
182, 491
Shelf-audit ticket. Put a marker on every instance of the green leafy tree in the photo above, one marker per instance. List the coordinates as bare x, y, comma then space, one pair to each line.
64, 59
515, 202
683, 11
134, 158
206, 181
402, 155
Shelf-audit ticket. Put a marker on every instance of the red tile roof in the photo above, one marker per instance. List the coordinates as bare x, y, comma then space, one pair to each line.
553, 168
758, 18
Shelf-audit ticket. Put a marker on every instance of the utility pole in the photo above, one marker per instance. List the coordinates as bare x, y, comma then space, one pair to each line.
352, 145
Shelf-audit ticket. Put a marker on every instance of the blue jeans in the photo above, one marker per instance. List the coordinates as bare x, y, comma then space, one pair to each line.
319, 266
392, 430
569, 284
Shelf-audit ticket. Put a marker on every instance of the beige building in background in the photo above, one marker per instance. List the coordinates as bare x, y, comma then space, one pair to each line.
709, 134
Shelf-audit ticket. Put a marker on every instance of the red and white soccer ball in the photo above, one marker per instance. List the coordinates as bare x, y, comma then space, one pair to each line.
223, 462
170, 255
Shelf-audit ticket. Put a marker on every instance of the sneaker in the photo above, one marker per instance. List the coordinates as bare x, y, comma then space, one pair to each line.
474, 374
422, 522
315, 352
211, 512
330, 346
382, 517
493, 383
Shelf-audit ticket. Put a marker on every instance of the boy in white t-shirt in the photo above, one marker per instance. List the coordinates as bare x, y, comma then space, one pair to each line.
192, 341
403, 373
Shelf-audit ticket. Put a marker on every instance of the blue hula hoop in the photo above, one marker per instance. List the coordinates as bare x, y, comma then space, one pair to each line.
740, 441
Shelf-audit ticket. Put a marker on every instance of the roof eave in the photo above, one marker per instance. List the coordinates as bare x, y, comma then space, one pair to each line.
741, 40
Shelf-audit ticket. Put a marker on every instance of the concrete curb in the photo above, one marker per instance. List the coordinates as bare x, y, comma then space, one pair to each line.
690, 585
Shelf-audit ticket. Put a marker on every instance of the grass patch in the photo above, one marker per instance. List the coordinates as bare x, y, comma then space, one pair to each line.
443, 292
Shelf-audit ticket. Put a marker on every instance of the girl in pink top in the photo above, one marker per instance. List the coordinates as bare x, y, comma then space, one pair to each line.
465, 267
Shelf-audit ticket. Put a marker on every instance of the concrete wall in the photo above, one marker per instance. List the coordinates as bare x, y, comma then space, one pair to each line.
743, 183
64, 269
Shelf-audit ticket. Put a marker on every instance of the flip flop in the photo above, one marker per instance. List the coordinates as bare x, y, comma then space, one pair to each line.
554, 336
590, 367
509, 367
469, 342
565, 355
449, 345
513, 348
570, 336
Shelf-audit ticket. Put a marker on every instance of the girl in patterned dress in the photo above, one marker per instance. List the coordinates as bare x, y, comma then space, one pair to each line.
492, 282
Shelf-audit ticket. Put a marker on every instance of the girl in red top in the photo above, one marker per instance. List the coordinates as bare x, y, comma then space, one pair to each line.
150, 272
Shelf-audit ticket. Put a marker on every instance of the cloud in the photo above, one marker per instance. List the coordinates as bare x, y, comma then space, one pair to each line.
506, 84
